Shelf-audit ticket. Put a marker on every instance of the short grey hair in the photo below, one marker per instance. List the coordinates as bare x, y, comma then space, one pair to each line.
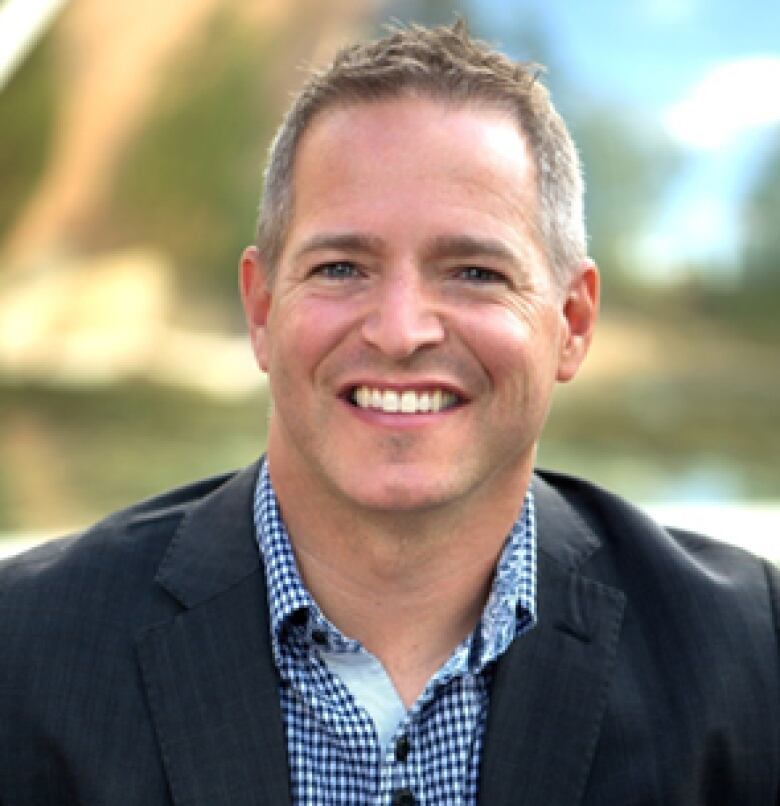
443, 63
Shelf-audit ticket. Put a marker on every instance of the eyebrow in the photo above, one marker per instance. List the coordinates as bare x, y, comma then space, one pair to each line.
342, 242
442, 246
466, 246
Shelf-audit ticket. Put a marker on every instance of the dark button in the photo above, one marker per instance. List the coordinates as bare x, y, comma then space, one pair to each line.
299, 617
402, 749
403, 797
319, 637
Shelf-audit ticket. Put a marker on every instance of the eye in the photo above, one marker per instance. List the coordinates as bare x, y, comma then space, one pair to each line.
479, 275
336, 270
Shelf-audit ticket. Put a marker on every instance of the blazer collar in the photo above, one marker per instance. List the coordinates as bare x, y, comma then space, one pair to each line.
562, 533
210, 682
550, 687
214, 547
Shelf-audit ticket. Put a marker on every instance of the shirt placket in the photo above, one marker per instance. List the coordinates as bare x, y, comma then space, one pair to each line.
349, 728
401, 782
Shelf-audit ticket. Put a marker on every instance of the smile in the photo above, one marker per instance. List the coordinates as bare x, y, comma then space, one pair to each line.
408, 401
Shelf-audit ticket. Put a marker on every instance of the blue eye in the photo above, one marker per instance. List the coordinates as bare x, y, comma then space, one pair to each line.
481, 275
338, 270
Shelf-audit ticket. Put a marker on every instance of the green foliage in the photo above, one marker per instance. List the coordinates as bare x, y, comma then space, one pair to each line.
644, 436
108, 447
762, 228
191, 180
627, 168
749, 303
27, 109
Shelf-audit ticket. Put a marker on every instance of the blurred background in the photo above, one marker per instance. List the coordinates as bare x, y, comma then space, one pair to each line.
132, 139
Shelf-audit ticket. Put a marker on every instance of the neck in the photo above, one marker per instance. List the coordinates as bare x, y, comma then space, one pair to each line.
410, 586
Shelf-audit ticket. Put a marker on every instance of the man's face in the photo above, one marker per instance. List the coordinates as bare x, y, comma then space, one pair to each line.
413, 332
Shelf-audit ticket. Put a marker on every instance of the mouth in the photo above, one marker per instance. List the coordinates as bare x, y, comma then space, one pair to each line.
404, 401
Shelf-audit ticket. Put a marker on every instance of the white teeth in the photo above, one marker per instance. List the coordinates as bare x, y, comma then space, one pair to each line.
363, 397
390, 401
406, 402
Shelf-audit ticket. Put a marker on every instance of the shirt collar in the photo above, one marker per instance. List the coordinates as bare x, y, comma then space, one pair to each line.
509, 611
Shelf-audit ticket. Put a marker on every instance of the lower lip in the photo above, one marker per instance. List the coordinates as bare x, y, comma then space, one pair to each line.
398, 420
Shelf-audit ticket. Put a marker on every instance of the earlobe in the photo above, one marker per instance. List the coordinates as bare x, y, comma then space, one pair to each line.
580, 312
256, 299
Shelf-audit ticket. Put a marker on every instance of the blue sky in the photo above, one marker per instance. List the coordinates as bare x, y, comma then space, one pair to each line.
656, 49
672, 61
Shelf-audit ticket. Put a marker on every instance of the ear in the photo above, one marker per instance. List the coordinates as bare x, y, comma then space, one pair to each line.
256, 298
580, 312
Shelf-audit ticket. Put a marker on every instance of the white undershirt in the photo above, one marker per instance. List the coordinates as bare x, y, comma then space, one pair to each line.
370, 685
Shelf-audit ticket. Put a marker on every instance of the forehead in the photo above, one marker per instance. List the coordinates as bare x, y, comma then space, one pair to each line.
409, 118
409, 152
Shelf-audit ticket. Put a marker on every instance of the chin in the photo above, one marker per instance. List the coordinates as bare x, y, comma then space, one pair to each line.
404, 496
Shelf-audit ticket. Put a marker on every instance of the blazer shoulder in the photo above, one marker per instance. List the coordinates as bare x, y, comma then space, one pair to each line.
633, 549
115, 552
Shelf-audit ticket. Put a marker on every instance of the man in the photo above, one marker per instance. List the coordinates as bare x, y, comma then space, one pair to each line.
392, 607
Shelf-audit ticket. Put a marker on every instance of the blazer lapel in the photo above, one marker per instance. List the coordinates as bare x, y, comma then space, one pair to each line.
209, 676
550, 688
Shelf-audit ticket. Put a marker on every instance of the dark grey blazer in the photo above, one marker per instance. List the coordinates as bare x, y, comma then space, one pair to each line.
135, 664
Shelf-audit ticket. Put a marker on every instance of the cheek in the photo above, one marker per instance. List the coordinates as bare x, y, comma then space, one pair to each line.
517, 353
497, 337
302, 334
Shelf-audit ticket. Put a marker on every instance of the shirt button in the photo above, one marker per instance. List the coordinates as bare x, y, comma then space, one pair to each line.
299, 617
402, 749
403, 797
319, 637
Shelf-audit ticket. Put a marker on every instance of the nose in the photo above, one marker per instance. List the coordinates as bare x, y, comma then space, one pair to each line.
403, 318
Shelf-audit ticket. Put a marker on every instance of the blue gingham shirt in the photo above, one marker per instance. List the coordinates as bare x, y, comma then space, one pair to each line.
334, 755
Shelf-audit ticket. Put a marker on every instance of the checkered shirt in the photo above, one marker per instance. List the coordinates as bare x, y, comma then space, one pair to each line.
333, 751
